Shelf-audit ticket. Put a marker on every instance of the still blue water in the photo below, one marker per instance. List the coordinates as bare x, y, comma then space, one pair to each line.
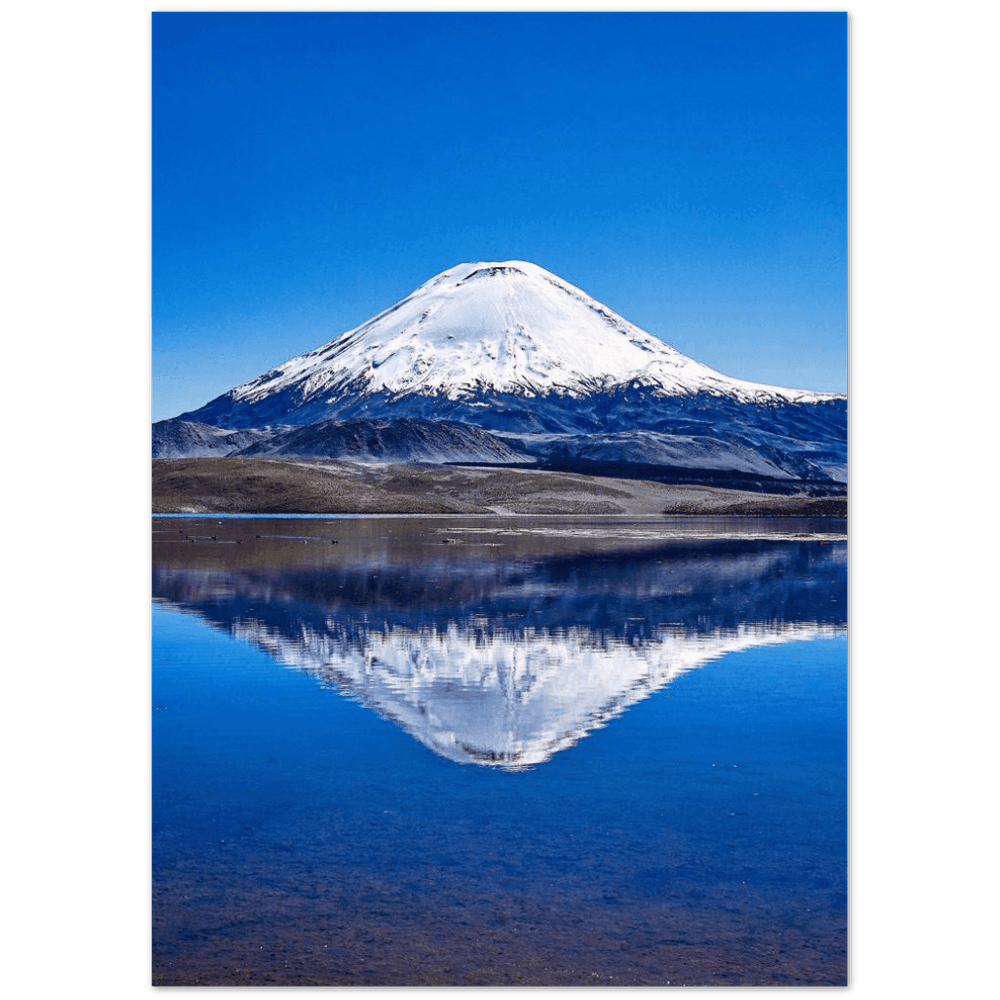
440, 752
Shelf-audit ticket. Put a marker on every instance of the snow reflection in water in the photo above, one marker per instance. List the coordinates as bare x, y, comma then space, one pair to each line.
300, 839
503, 699
501, 656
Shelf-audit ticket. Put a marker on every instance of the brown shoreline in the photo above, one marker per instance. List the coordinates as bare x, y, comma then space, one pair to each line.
214, 930
299, 486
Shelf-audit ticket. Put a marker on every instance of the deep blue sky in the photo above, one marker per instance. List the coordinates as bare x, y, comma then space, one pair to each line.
309, 170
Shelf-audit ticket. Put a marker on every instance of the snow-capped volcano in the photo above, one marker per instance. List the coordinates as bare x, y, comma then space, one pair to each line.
509, 327
520, 354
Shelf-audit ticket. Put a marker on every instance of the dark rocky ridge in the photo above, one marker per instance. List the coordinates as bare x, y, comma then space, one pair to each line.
192, 439
403, 440
791, 441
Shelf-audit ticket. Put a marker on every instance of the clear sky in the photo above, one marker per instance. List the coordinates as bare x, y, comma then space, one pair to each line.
309, 170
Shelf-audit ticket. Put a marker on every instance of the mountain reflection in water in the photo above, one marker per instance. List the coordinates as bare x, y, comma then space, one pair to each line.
497, 644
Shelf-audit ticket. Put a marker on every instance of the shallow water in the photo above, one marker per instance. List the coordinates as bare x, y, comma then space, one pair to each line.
487, 750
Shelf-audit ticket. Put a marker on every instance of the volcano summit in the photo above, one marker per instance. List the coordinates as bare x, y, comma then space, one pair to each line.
500, 361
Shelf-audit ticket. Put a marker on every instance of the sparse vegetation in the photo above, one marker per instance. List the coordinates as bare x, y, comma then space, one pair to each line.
286, 486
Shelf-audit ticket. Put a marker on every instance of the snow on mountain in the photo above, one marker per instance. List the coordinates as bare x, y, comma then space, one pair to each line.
509, 327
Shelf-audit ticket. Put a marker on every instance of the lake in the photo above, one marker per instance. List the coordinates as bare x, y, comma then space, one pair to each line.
475, 751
